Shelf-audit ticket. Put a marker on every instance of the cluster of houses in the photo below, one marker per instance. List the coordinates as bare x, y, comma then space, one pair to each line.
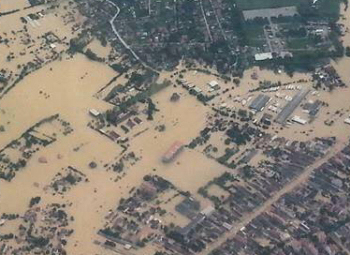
288, 159
15, 155
33, 53
65, 180
202, 94
40, 230
327, 77
312, 219
125, 120
137, 219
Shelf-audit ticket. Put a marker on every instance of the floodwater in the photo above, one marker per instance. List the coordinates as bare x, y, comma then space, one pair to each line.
67, 87
10, 5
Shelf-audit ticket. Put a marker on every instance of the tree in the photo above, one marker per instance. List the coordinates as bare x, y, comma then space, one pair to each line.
34, 201
92, 55
151, 109
159, 253
247, 172
347, 51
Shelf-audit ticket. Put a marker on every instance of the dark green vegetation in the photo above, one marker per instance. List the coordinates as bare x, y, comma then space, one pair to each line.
43, 229
215, 33
220, 181
310, 38
28, 144
142, 96
8, 13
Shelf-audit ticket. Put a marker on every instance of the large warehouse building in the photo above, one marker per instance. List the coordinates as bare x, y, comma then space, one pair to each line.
259, 103
172, 152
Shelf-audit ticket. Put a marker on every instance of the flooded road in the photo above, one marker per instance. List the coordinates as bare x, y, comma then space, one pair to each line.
67, 87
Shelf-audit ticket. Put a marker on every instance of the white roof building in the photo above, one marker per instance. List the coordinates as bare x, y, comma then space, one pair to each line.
197, 90
347, 121
263, 56
2, 222
299, 120
213, 84
94, 112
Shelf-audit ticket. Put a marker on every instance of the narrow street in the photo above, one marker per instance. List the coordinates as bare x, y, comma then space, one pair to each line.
111, 22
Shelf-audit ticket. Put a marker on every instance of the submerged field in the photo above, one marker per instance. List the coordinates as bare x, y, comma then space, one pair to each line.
87, 174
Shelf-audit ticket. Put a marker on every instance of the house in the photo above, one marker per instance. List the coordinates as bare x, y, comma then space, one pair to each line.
312, 108
214, 85
266, 119
113, 135
137, 120
94, 112
148, 190
299, 120
196, 90
130, 124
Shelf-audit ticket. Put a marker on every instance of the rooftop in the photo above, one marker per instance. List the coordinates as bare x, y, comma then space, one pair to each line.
263, 56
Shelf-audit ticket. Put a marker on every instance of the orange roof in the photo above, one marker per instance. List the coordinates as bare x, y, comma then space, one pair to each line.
173, 150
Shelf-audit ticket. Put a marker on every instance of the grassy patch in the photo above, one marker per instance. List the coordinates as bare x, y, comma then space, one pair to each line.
329, 8
254, 35
298, 43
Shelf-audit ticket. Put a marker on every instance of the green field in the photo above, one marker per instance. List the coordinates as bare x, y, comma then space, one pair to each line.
254, 35
330, 8
298, 43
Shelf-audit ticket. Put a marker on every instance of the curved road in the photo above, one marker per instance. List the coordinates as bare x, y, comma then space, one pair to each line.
111, 22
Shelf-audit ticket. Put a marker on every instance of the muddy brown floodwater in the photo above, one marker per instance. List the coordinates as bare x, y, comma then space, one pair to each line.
67, 87
10, 5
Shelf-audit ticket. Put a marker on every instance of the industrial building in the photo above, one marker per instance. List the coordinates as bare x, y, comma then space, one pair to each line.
263, 56
312, 108
259, 103
291, 106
